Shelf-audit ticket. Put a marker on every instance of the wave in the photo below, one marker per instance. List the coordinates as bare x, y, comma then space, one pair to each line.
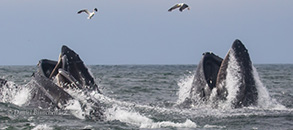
137, 119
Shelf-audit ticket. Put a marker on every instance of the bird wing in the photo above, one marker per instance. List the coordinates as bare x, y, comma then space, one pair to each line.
183, 7
84, 10
174, 7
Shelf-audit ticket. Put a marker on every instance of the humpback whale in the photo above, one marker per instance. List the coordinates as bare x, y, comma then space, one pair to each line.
214, 76
53, 77
49, 85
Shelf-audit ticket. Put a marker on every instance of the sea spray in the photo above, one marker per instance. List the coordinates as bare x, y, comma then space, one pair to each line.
22, 97
264, 99
84, 105
185, 85
18, 95
75, 108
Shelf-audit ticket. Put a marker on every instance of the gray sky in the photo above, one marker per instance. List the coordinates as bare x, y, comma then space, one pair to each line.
143, 31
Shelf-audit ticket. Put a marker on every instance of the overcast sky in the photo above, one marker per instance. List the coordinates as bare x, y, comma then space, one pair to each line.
143, 31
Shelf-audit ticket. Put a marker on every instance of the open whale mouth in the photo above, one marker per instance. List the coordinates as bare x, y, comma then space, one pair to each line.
211, 65
68, 71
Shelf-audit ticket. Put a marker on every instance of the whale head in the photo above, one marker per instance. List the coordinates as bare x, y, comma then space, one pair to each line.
68, 71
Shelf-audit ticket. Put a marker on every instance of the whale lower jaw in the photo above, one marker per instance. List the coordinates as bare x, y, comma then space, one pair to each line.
236, 76
231, 79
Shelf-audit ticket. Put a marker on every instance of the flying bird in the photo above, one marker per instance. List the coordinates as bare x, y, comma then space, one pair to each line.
181, 7
90, 14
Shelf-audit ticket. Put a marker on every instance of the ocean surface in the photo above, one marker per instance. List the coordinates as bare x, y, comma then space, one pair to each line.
147, 97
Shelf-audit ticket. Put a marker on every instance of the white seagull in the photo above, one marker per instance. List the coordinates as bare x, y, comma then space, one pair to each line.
181, 5
91, 14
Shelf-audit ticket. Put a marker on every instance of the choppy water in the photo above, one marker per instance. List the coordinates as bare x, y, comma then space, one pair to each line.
143, 96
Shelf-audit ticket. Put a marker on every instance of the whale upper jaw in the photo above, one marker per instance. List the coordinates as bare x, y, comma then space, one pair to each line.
70, 69
235, 72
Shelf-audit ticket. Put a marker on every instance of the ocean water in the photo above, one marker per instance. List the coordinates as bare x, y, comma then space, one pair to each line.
147, 97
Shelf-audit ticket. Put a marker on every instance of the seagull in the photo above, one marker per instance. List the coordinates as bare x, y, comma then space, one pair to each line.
181, 5
91, 14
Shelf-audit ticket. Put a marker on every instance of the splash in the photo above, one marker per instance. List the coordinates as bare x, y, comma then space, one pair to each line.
84, 104
125, 112
264, 99
18, 95
232, 81
185, 85
75, 108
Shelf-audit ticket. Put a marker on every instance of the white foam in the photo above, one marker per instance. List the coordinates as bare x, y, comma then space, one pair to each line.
88, 127
135, 118
4, 128
187, 124
214, 126
43, 127
123, 111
